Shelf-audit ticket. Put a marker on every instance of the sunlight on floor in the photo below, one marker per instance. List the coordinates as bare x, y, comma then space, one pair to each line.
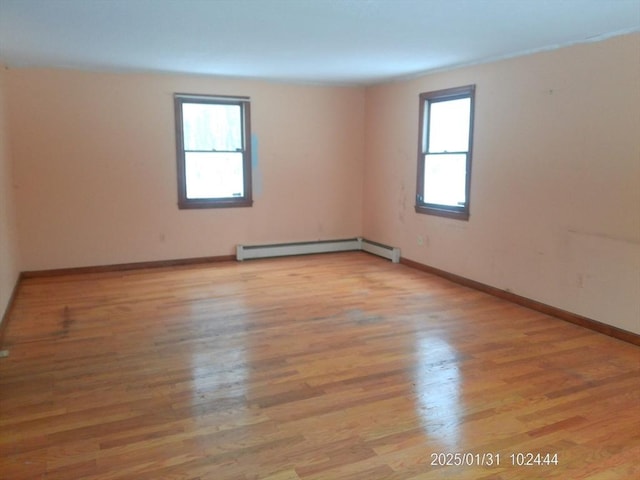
437, 380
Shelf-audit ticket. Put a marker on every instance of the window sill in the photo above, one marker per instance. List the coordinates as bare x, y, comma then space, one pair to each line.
443, 212
191, 204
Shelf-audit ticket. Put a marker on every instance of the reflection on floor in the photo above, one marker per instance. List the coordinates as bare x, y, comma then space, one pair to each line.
337, 366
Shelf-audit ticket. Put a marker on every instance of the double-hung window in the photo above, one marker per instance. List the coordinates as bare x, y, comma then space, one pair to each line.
444, 152
213, 142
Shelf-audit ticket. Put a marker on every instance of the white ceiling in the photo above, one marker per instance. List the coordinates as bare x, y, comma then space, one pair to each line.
319, 41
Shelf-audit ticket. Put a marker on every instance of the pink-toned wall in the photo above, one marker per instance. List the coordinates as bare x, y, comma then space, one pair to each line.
9, 255
555, 192
555, 205
95, 167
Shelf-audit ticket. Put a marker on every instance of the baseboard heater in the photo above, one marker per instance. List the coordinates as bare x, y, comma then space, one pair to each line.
247, 252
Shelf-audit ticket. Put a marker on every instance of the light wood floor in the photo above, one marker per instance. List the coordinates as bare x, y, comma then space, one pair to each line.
339, 366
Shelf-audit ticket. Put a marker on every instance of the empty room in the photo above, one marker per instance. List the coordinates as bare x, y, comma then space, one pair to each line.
319, 239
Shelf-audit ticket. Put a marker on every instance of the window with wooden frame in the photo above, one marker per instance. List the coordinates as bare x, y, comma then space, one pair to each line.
444, 152
213, 143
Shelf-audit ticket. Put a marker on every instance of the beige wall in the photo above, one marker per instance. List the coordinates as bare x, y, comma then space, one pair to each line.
555, 192
555, 186
96, 168
9, 255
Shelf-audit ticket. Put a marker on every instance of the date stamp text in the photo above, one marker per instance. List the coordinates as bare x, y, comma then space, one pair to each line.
493, 459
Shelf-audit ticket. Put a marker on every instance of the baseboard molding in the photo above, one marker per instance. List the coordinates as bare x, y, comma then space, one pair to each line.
565, 315
9, 308
121, 267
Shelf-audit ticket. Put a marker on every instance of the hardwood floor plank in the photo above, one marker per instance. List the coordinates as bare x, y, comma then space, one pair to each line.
338, 366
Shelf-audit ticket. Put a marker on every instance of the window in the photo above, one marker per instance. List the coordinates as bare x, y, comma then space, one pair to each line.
444, 154
213, 142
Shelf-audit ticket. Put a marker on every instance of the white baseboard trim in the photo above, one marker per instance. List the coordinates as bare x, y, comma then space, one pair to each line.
248, 252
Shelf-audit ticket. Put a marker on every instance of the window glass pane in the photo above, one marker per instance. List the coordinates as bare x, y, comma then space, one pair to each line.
212, 127
449, 126
444, 179
213, 175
